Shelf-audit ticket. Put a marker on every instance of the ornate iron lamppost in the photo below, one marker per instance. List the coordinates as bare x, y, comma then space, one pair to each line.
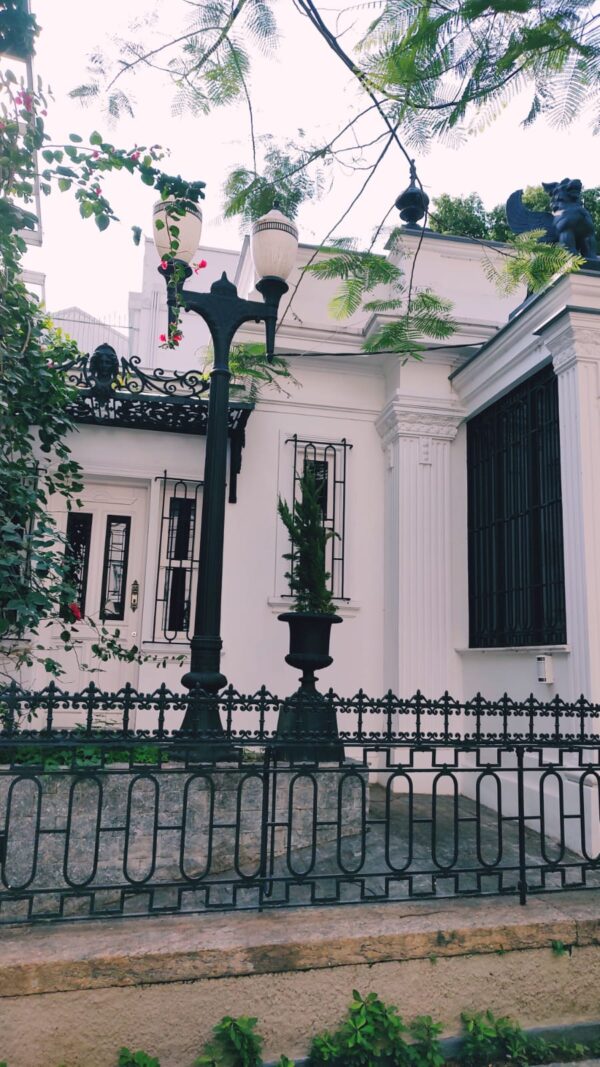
274, 245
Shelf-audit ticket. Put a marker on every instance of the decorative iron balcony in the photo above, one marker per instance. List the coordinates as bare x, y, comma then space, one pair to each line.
113, 391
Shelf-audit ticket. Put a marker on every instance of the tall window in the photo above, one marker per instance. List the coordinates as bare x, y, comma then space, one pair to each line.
178, 560
516, 569
328, 462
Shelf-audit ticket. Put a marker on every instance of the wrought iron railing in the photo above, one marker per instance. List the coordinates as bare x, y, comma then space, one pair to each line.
108, 809
109, 391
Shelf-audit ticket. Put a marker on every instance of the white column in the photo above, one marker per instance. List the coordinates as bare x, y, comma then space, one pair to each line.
575, 351
417, 435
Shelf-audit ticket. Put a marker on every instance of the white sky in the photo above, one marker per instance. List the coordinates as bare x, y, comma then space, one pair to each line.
303, 86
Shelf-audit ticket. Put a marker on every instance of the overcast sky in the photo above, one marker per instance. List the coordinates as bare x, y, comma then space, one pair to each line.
302, 86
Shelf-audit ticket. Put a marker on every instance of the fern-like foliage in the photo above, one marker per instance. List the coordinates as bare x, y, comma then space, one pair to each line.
207, 56
307, 576
251, 371
283, 177
417, 316
453, 58
530, 263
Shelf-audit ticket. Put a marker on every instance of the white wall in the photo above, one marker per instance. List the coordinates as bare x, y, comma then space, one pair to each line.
255, 643
406, 625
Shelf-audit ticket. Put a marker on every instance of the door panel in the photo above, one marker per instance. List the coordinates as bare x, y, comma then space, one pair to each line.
107, 536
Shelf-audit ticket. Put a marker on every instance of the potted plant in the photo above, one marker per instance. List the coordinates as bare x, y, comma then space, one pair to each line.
310, 620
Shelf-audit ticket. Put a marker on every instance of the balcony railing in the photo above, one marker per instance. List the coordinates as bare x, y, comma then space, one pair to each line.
108, 809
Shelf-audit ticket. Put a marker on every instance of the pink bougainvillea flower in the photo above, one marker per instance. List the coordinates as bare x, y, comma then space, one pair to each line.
163, 337
97, 190
177, 338
95, 154
200, 266
135, 155
75, 611
164, 264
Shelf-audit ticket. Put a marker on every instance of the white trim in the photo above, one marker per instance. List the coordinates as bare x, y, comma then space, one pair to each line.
528, 650
345, 608
285, 407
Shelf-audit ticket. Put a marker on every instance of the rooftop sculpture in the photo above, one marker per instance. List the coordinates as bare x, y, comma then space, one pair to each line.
568, 223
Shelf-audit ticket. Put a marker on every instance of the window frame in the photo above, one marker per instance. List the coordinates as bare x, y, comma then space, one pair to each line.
335, 455
514, 519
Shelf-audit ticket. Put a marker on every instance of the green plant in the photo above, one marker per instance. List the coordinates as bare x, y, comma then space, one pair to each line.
234, 1044
251, 371
559, 948
35, 572
491, 1040
307, 575
136, 1059
426, 1050
370, 1036
481, 1043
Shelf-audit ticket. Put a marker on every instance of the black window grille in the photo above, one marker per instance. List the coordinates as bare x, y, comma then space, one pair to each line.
77, 550
328, 461
114, 567
516, 566
179, 547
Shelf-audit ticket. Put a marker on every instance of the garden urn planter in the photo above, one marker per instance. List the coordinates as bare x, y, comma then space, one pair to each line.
307, 720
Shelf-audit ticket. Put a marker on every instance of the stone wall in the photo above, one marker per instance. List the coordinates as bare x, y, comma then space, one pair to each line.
114, 830
74, 994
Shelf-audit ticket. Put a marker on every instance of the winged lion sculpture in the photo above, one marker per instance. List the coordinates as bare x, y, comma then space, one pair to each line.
568, 223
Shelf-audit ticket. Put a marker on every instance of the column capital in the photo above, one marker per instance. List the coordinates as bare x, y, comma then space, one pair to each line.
418, 416
571, 339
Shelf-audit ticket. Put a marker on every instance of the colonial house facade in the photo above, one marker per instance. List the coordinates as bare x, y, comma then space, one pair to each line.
460, 487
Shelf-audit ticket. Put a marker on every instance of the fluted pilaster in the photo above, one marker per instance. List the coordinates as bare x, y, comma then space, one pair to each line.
576, 360
416, 437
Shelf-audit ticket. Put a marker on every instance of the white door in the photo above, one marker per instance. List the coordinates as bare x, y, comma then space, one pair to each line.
107, 539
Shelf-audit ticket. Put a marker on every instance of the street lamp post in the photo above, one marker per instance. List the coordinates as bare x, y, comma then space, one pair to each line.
274, 244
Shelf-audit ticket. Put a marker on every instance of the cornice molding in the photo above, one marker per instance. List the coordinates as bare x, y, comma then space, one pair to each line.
410, 416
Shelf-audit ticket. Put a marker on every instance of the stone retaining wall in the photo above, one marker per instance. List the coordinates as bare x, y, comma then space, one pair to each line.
74, 994
116, 828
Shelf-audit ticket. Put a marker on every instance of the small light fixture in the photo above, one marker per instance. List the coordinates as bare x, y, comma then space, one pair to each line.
186, 217
545, 669
413, 202
274, 245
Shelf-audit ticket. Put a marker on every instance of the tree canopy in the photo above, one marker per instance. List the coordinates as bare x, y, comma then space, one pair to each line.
466, 216
426, 70
422, 71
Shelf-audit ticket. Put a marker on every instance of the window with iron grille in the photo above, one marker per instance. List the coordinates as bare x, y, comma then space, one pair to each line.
516, 567
328, 462
179, 547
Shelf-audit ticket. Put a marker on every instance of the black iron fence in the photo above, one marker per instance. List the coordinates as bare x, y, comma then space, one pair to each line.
107, 808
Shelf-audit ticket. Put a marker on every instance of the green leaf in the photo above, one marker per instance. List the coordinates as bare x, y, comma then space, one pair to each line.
96, 138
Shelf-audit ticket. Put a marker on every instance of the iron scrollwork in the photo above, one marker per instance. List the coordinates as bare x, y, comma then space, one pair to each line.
116, 391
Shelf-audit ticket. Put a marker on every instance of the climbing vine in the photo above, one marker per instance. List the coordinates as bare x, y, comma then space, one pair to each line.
38, 476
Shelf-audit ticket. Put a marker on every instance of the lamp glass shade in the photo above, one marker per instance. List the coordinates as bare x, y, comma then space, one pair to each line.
184, 216
274, 245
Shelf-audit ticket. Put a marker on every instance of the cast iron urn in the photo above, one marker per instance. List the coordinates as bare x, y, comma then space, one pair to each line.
307, 720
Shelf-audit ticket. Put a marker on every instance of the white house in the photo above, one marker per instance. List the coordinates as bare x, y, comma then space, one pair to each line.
461, 488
